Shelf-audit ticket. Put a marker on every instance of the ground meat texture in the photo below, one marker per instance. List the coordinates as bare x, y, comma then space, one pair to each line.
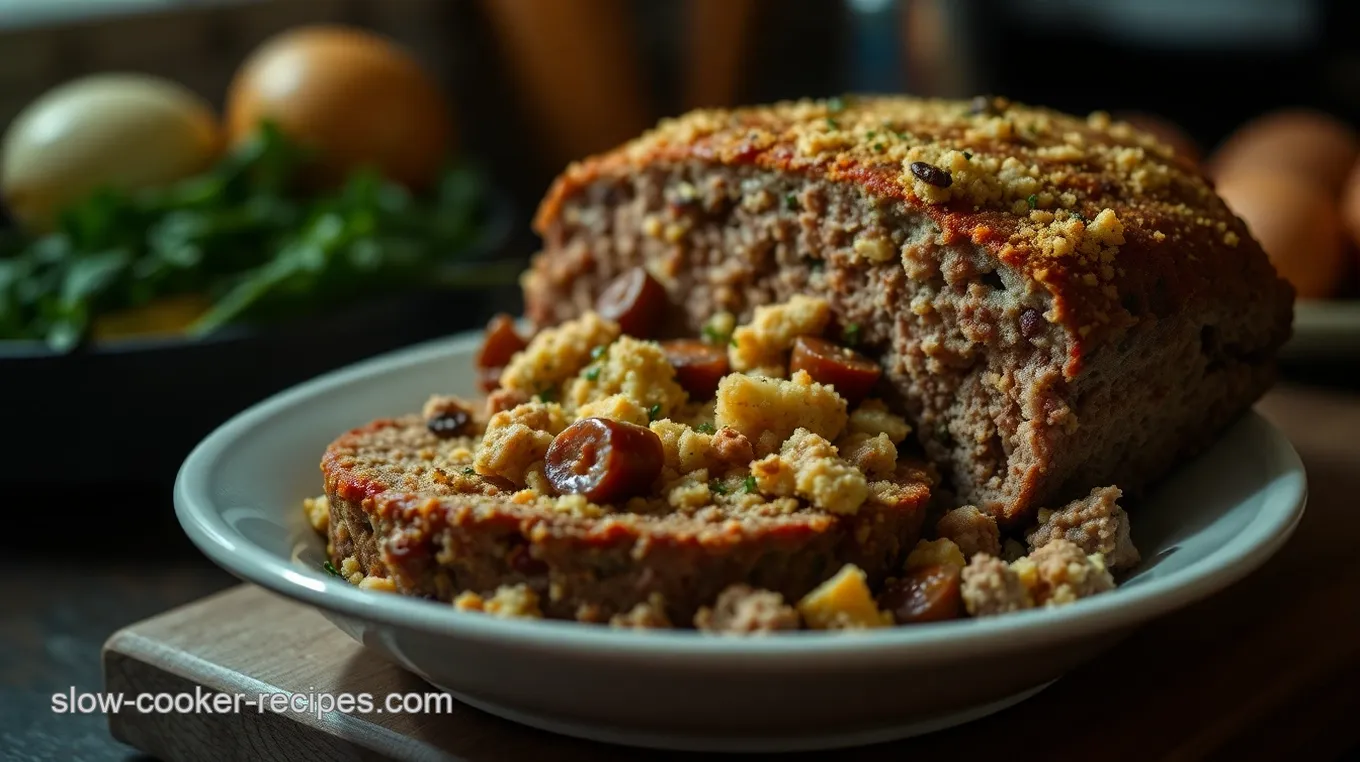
742, 609
407, 505
1075, 308
1095, 523
972, 530
1060, 572
991, 587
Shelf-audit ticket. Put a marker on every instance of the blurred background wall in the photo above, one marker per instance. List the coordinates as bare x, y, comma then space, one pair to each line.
539, 82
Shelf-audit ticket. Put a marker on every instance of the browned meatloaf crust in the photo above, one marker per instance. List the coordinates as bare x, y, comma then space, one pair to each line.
1059, 302
436, 531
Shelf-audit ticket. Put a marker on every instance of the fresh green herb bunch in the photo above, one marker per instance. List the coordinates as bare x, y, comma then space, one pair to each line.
246, 234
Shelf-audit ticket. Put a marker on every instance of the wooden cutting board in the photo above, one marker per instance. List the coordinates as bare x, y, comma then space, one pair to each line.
1269, 669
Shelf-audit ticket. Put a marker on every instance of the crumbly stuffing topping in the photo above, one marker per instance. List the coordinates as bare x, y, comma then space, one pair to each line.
762, 346
938, 552
768, 410
645, 615
810, 467
517, 438
557, 354
873, 417
1095, 523
507, 601
318, 510
1056, 574
636, 369
874, 456
843, 602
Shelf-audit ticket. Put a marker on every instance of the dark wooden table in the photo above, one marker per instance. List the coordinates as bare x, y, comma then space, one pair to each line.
63, 597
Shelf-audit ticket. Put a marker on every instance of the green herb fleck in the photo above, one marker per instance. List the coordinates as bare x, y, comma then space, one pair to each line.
598, 352
878, 148
330, 567
870, 134
547, 395
468, 471
791, 202
718, 487
967, 155
714, 336
705, 428
900, 135
832, 123
1032, 200
654, 412
1080, 216
835, 104
750, 484
593, 373
850, 335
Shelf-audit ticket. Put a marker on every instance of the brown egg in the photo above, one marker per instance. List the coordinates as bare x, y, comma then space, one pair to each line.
354, 97
1307, 143
1297, 224
1165, 131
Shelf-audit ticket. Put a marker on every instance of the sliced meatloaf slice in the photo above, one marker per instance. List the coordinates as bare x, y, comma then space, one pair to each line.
1059, 302
405, 505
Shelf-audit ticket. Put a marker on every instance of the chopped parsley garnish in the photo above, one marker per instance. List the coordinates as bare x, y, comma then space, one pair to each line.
870, 134
967, 155
705, 428
547, 395
791, 202
850, 335
468, 471
900, 135
330, 568
1032, 200
714, 336
654, 412
593, 373
718, 487
750, 483
598, 352
835, 104
832, 123
878, 148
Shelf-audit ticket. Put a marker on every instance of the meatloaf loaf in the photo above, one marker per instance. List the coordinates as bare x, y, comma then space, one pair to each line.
407, 506
1059, 302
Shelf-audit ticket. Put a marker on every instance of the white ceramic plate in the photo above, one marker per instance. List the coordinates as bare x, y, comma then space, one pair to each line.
239, 498
1325, 331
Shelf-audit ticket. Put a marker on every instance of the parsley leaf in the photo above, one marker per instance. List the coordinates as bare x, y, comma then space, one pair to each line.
593, 373
330, 568
598, 352
718, 487
835, 104
654, 412
750, 484
850, 335
967, 155
468, 471
705, 428
547, 395
832, 123
1032, 200
791, 202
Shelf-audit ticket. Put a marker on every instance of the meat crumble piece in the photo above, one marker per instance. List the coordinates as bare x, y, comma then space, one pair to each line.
843, 602
761, 347
645, 615
876, 456
1060, 572
741, 609
972, 530
991, 587
1095, 523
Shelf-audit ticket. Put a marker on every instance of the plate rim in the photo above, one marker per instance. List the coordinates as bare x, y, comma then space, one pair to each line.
1246, 551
